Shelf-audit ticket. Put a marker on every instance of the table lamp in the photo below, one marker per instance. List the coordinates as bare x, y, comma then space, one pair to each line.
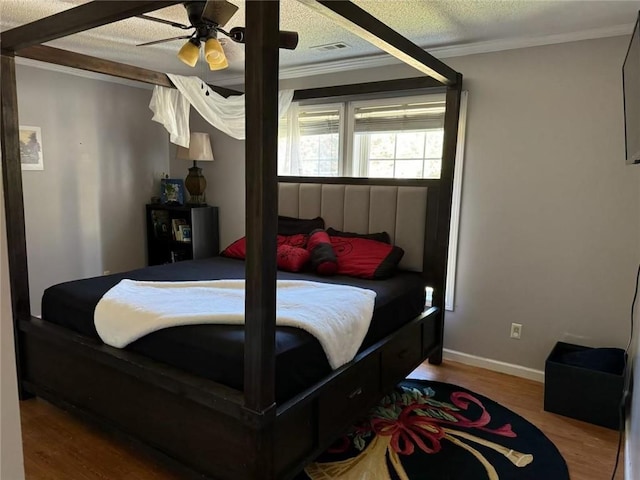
199, 150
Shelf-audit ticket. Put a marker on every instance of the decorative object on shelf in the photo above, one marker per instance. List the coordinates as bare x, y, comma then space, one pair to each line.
172, 191
31, 148
161, 223
199, 150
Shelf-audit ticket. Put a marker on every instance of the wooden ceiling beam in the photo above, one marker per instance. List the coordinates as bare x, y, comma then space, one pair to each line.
366, 26
80, 61
77, 19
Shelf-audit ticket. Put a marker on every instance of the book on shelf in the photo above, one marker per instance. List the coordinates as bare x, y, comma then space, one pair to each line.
175, 227
184, 232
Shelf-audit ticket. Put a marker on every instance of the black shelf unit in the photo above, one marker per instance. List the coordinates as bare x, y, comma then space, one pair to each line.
162, 247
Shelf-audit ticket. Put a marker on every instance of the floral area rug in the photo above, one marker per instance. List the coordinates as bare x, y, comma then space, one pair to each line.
428, 430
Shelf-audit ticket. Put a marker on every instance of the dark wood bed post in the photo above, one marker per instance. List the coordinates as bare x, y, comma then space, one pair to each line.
261, 83
14, 207
449, 148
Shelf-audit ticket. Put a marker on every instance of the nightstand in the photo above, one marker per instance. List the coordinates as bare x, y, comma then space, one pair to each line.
177, 232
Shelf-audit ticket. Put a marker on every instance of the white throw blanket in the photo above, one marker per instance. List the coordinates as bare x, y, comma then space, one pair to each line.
337, 315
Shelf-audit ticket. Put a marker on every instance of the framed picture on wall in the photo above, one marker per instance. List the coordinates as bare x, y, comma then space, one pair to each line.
31, 148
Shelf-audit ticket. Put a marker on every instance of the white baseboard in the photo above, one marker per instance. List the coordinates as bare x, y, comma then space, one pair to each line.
495, 365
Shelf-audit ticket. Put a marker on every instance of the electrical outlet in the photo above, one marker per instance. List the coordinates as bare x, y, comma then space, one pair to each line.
107, 272
516, 330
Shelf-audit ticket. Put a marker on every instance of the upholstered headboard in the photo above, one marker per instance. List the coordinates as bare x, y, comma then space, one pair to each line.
399, 210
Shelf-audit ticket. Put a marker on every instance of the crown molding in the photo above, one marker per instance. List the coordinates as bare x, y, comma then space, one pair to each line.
372, 61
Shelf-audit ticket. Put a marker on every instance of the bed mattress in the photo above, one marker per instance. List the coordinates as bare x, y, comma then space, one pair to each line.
216, 352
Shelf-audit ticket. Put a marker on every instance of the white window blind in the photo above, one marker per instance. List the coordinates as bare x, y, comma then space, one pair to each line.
399, 117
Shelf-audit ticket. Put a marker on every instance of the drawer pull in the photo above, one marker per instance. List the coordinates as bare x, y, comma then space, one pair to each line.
355, 393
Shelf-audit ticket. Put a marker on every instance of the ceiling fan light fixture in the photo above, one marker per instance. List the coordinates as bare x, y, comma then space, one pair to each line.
190, 52
219, 64
213, 51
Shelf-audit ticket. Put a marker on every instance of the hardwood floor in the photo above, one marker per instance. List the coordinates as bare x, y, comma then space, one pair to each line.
57, 446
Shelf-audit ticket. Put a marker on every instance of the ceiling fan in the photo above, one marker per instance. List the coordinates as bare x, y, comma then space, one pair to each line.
207, 19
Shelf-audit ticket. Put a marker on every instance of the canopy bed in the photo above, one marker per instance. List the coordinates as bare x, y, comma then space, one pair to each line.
255, 425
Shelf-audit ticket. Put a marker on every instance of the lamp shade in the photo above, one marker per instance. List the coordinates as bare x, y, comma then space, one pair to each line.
199, 148
219, 64
189, 52
213, 51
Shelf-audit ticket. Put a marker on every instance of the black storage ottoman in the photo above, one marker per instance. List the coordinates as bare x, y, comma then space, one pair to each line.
581, 390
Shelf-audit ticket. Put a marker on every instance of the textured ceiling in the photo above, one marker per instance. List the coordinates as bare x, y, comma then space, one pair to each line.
430, 24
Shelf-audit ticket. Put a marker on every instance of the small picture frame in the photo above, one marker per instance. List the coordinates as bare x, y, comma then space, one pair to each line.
172, 191
31, 148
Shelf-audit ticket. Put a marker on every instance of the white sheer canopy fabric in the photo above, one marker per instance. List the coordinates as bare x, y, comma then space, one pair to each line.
171, 108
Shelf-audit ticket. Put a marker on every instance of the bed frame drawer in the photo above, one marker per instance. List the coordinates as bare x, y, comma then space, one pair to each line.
404, 353
350, 394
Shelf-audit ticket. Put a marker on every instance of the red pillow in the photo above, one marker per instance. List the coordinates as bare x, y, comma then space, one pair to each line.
364, 258
299, 240
238, 249
292, 259
323, 258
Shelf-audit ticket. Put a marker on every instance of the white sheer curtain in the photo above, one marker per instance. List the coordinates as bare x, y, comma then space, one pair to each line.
289, 133
171, 108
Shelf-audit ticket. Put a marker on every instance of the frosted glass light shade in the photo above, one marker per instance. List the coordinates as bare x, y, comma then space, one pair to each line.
190, 52
213, 51
199, 148
219, 64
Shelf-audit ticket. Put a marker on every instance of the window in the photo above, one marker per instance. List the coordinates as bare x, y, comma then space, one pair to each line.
384, 138
310, 141
401, 139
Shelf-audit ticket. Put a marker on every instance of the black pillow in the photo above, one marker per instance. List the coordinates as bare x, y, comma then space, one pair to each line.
294, 226
378, 237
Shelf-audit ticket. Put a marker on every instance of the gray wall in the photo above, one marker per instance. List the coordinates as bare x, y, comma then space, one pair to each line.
549, 220
103, 158
11, 467
549, 225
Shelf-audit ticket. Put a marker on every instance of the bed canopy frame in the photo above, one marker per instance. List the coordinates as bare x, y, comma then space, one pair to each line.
255, 438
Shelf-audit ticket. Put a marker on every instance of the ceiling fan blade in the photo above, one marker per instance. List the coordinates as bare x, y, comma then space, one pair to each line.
166, 22
183, 37
218, 12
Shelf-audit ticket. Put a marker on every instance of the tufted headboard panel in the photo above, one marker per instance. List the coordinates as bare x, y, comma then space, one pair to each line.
399, 210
